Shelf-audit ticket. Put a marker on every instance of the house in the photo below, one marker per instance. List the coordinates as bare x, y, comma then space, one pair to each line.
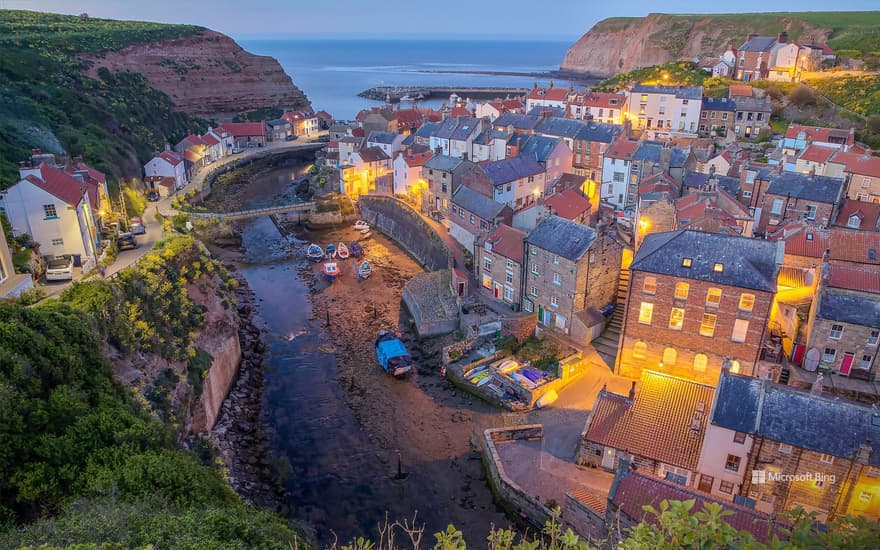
408, 173
95, 182
543, 111
473, 214
754, 181
443, 175
246, 134
551, 152
494, 109
755, 58
546, 97
814, 159
655, 213
516, 122
54, 208
713, 210
752, 116
339, 131
799, 196
167, 164
516, 181
647, 161
325, 120
673, 109
390, 142
697, 181
408, 121
618, 181
716, 67
423, 135
787, 62
796, 448
455, 135
381, 119
367, 164
858, 215
214, 147
489, 145
498, 260
569, 268
570, 204
798, 137
597, 106
571, 181
303, 123
12, 284
278, 129
558, 127
717, 115
660, 427
863, 172
590, 145
696, 301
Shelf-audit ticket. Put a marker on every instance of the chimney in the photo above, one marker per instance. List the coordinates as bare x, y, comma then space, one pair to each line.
864, 453
632, 390
624, 469
816, 389
812, 173
751, 35
782, 37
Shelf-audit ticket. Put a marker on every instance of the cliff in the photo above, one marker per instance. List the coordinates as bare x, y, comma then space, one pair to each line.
206, 74
623, 44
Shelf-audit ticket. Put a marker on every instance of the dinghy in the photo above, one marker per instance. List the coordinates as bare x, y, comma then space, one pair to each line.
315, 253
391, 354
342, 251
547, 399
360, 225
365, 234
355, 249
331, 251
364, 271
331, 271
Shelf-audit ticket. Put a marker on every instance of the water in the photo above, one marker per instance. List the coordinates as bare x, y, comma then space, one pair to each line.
333, 72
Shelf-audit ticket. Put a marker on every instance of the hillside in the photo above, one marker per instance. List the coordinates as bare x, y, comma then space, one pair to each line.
626, 43
116, 91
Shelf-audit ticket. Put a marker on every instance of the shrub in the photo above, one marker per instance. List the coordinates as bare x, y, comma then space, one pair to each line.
802, 96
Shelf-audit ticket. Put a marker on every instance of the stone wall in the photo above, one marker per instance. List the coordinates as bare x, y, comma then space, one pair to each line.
406, 227
432, 303
585, 514
218, 380
520, 325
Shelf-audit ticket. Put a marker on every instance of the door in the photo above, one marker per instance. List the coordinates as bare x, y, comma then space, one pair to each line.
706, 483
560, 322
461, 289
846, 364
608, 458
541, 314
547, 318
496, 292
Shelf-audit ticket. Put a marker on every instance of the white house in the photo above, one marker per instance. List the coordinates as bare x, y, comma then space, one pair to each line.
387, 141
490, 145
226, 141
167, 164
455, 135
618, 180
407, 171
674, 109
53, 208
549, 97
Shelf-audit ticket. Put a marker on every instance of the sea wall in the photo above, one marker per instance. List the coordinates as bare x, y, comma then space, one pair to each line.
406, 227
218, 381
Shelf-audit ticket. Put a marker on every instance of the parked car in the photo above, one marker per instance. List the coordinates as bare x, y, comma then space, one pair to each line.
126, 240
291, 137
153, 196
59, 268
136, 226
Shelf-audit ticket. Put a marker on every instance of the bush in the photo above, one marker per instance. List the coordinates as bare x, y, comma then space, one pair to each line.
802, 96
135, 202
30, 296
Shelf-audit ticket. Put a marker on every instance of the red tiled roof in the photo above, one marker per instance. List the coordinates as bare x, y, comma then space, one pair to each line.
815, 133
208, 139
57, 183
508, 242
740, 90
658, 423
550, 94
859, 164
459, 111
170, 157
622, 149
817, 153
849, 277
407, 117
191, 155
636, 490
357, 132
792, 277
568, 204
868, 212
79, 165
324, 115
241, 129
808, 242
601, 100
417, 159
855, 246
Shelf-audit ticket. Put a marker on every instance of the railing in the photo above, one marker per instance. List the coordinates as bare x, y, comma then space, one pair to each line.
255, 212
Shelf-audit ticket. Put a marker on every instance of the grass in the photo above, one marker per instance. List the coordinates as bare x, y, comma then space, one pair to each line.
857, 93
675, 73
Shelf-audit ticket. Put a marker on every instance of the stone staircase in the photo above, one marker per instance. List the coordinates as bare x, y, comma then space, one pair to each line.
607, 343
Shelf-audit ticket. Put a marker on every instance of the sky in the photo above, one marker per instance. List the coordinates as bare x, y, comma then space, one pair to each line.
538, 19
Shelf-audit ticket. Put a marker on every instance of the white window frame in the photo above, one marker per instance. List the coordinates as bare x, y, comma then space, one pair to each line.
836, 332
557, 279
646, 313
740, 330
554, 301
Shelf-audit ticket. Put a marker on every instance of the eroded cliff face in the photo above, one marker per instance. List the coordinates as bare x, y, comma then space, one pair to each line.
623, 44
207, 75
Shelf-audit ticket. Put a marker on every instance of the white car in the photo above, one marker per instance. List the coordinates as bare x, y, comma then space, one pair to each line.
59, 268
361, 225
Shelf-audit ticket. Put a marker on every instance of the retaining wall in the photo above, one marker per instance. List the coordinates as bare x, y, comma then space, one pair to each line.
405, 226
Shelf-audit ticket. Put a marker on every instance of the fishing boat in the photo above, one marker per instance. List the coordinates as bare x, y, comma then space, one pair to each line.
331, 251
391, 354
331, 271
364, 270
355, 249
342, 251
547, 399
360, 225
314, 253
365, 234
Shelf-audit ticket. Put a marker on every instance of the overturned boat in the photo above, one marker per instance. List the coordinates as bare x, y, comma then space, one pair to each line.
391, 354
314, 253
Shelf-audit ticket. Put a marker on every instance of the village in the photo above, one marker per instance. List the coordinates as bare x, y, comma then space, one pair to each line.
720, 278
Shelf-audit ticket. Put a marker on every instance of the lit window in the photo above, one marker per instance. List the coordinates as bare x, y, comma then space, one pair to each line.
828, 355
718, 268
865, 497
681, 291
700, 362
734, 366
487, 281
686, 262
740, 329
646, 311
713, 297
640, 350
836, 332
554, 301
826, 459
732, 463
650, 285
739, 437
676, 318
557, 279
670, 356
785, 448
746, 302
707, 326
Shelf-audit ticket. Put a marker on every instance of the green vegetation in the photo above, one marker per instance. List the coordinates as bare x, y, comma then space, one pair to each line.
675, 73
258, 114
134, 198
856, 93
46, 101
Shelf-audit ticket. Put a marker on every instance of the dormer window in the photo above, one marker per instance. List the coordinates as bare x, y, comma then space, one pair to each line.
872, 254
686, 262
718, 268
854, 221
809, 237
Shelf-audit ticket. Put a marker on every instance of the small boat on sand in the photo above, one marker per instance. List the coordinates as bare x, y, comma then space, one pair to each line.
360, 225
365, 234
330, 271
342, 251
355, 249
547, 399
364, 270
331, 251
391, 354
314, 253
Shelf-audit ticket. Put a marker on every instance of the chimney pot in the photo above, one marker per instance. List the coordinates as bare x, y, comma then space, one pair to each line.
632, 390
782, 37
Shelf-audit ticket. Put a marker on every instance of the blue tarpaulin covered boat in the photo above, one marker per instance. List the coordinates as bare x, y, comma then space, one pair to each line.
391, 354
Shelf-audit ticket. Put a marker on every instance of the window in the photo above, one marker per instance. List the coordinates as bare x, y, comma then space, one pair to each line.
557, 279
527, 306
865, 363
554, 301
508, 278
57, 242
746, 302
508, 294
776, 207
646, 311
874, 337
461, 213
811, 211
826, 459
676, 318
650, 285
785, 448
509, 264
865, 497
487, 281
707, 326
723, 116
534, 291
534, 269
819, 484
739, 437
555, 259
487, 264
700, 362
854, 221
718, 268
747, 194
618, 177
740, 329
713, 297
670, 356
704, 114
686, 262
472, 219
828, 355
726, 487
866, 182
681, 291
836, 332
533, 250
732, 463
640, 350
49, 211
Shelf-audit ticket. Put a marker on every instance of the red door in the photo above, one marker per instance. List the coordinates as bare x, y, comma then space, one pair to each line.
496, 291
846, 364
797, 356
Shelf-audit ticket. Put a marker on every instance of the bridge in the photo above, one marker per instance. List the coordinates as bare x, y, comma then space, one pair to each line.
255, 212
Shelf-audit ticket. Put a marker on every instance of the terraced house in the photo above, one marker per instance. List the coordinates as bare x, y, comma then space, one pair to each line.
498, 262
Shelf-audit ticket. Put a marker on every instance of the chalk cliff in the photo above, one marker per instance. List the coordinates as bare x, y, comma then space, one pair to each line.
206, 74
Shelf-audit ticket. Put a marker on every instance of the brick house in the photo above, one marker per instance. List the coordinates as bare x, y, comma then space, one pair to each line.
589, 148
471, 214
858, 215
551, 153
444, 174
752, 116
569, 268
717, 113
498, 259
793, 196
755, 58
516, 181
697, 301
863, 171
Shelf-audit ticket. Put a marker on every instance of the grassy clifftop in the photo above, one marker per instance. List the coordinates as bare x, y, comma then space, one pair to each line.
47, 102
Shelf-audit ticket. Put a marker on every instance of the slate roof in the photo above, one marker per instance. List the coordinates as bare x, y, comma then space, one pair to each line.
801, 186
386, 138
559, 127
542, 110
458, 128
562, 237
511, 169
477, 204
599, 131
820, 423
863, 310
517, 121
427, 130
754, 104
663, 422
759, 44
444, 163
747, 263
649, 151
678, 156
541, 146
508, 242
566, 181
373, 154
277, 123
718, 104
681, 92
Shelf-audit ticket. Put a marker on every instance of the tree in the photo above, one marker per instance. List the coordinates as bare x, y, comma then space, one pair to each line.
874, 124
802, 96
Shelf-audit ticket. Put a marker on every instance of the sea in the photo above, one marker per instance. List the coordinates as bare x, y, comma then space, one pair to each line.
332, 72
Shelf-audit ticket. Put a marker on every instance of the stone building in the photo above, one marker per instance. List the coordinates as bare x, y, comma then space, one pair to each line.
793, 196
498, 259
696, 301
472, 215
444, 174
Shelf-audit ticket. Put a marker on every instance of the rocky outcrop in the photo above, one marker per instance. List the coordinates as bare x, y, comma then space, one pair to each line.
206, 74
623, 44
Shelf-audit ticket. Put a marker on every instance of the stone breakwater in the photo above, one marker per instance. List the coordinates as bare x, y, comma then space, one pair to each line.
238, 434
